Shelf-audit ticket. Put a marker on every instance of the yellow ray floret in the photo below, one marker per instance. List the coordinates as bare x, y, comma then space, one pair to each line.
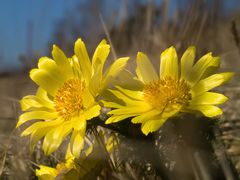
67, 95
179, 87
60, 171
75, 169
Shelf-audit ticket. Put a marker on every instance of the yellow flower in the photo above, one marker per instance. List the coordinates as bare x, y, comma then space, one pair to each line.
85, 164
180, 87
49, 173
67, 96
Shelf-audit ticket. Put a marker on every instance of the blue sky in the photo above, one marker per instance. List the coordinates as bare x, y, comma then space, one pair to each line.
15, 15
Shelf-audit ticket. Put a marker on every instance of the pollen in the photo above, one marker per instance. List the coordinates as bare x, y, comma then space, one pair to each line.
167, 93
68, 99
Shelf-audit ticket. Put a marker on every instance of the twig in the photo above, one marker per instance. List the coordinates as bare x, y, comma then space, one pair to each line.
108, 36
235, 34
101, 143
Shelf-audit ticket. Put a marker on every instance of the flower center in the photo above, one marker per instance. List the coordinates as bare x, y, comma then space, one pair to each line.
167, 93
68, 99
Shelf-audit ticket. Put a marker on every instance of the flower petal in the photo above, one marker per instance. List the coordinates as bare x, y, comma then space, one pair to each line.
49, 65
99, 57
111, 104
76, 68
88, 99
37, 135
146, 116
127, 80
113, 71
152, 125
138, 108
208, 98
77, 141
41, 124
117, 118
169, 63
92, 112
145, 70
62, 61
30, 101
101, 53
46, 172
108, 96
35, 115
201, 67
78, 122
187, 61
45, 80
54, 138
207, 110
126, 99
211, 82
96, 80
138, 95
42, 94
83, 58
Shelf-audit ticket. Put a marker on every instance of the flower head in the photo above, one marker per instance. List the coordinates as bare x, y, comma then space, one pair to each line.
73, 168
67, 96
179, 87
60, 171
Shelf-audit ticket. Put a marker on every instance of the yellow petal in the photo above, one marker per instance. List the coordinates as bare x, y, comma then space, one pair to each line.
37, 135
99, 57
96, 80
47, 172
83, 58
78, 122
207, 110
187, 61
35, 115
62, 61
41, 124
211, 82
77, 141
124, 98
108, 96
127, 80
28, 102
145, 70
101, 53
138, 95
208, 98
42, 94
76, 68
201, 67
131, 109
54, 138
49, 65
117, 118
146, 116
169, 63
88, 99
113, 71
92, 112
152, 125
45, 81
111, 104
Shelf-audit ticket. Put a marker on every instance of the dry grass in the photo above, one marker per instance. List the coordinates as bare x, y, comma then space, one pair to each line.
186, 150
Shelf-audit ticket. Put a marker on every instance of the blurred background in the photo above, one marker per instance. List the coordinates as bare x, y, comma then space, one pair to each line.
28, 28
